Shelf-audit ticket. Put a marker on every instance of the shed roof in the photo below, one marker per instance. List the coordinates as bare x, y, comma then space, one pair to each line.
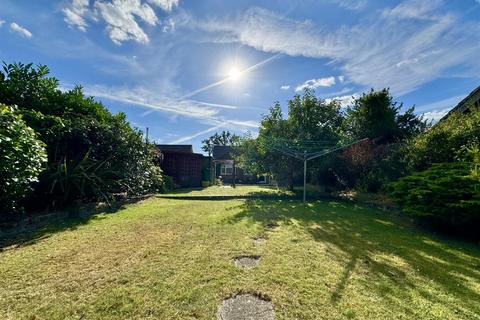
181, 148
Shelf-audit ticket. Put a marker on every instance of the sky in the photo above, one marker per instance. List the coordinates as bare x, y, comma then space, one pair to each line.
188, 68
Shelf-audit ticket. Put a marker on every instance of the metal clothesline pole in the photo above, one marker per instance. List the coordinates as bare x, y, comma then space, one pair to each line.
312, 156
305, 177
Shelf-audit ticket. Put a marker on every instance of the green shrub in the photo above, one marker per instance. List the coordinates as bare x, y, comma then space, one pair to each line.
447, 141
92, 154
22, 158
448, 193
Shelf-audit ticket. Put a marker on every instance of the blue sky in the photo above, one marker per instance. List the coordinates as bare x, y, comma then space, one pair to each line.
188, 68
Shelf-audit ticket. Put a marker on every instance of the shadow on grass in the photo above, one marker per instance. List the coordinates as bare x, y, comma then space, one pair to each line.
29, 229
228, 193
383, 245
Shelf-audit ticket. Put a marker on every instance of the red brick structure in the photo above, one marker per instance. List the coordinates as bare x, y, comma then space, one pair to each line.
180, 163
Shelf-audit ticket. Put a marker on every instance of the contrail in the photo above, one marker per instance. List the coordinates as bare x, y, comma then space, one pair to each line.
220, 82
187, 138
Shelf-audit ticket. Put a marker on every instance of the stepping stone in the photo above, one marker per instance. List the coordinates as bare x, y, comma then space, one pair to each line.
246, 306
247, 262
259, 240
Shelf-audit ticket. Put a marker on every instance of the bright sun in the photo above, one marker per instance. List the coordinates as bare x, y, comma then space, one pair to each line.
234, 73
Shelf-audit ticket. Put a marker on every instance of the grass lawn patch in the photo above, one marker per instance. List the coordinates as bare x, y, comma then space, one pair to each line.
172, 259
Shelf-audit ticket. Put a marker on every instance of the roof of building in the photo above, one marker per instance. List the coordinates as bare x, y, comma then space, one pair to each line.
222, 153
179, 148
464, 105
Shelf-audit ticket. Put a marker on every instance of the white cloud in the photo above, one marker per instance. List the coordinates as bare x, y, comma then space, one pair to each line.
75, 14
20, 30
435, 115
166, 5
120, 17
285, 87
315, 83
377, 52
344, 101
2, 22
341, 79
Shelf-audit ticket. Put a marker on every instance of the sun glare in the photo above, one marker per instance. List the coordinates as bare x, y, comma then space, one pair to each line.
234, 73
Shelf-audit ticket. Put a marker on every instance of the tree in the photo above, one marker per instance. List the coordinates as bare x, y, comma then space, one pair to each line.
22, 158
375, 115
225, 138
310, 119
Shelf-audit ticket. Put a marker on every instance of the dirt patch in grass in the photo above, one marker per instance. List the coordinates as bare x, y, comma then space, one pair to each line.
246, 306
247, 262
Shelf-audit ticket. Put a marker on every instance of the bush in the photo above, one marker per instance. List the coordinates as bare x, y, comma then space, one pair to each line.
447, 141
367, 166
92, 154
22, 158
448, 193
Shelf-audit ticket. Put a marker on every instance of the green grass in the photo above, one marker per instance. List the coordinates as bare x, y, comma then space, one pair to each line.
171, 259
228, 190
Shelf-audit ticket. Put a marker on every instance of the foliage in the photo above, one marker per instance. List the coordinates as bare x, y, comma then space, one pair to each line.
375, 115
22, 158
447, 141
74, 126
368, 166
85, 179
313, 122
447, 192
225, 138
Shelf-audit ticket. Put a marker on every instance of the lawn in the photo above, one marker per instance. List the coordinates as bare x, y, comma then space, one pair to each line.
172, 259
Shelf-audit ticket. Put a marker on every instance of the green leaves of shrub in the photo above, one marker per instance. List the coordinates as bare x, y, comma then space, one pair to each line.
448, 192
22, 158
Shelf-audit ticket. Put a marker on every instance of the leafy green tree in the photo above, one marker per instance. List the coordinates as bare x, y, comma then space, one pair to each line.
375, 115
22, 158
225, 138
311, 118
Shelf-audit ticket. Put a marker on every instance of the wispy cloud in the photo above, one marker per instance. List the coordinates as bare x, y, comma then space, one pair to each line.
198, 134
315, 83
24, 32
285, 87
208, 113
351, 4
377, 52
448, 103
2, 22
